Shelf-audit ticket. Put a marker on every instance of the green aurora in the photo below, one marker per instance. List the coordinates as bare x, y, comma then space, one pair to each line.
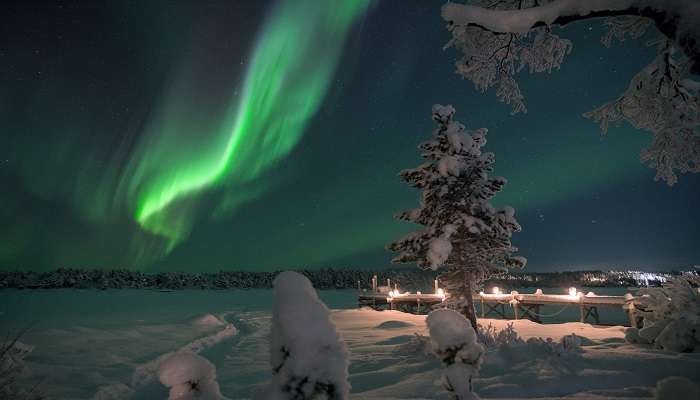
292, 65
263, 135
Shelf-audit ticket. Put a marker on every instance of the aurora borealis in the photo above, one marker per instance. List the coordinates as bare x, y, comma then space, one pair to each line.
268, 135
289, 73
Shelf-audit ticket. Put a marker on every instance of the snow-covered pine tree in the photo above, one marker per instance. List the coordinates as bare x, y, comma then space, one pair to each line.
308, 358
463, 231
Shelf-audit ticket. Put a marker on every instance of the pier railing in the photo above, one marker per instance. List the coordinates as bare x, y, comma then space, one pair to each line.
512, 305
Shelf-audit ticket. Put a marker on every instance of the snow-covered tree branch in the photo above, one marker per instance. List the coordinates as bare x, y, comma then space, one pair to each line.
671, 316
500, 38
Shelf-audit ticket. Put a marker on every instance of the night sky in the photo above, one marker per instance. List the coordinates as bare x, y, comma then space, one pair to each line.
200, 136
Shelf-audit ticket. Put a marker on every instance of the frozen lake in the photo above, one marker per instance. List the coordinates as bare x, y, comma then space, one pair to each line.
86, 341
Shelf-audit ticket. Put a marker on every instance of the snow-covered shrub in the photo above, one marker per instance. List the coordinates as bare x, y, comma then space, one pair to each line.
454, 342
308, 358
676, 388
570, 342
492, 338
671, 316
417, 345
539, 348
189, 377
12, 368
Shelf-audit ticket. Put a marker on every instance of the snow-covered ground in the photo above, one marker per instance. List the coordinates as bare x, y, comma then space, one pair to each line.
387, 361
107, 345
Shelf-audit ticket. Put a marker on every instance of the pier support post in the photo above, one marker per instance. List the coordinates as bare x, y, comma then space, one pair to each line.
516, 310
632, 313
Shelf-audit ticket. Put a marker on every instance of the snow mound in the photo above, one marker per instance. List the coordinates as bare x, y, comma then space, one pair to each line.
207, 320
145, 373
394, 325
118, 391
189, 376
676, 388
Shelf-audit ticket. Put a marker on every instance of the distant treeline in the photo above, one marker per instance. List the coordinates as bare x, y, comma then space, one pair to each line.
407, 279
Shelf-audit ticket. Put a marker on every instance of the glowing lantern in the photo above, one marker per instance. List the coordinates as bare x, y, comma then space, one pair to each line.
496, 290
572, 291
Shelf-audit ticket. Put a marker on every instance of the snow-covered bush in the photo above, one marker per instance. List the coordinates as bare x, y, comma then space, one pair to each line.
671, 316
308, 358
676, 388
11, 368
454, 342
540, 348
492, 338
189, 377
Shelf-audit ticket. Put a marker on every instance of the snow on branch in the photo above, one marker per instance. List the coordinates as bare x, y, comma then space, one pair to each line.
660, 101
671, 317
676, 19
500, 38
521, 21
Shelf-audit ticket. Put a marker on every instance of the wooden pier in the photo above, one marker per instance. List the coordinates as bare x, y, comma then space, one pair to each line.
386, 298
408, 302
504, 305
528, 305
